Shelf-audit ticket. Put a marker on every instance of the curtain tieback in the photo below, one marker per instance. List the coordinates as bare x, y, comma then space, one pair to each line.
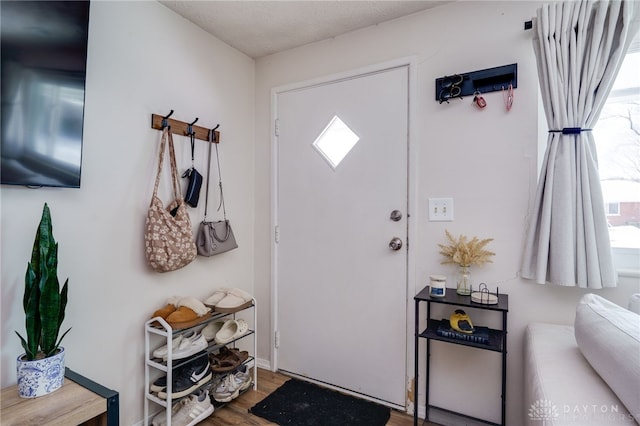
570, 130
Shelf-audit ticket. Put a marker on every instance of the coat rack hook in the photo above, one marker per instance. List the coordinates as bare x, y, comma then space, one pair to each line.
164, 119
212, 134
190, 131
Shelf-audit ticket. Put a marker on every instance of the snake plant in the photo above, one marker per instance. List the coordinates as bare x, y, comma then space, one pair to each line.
44, 304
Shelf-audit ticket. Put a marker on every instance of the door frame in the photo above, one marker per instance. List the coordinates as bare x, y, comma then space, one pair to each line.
410, 62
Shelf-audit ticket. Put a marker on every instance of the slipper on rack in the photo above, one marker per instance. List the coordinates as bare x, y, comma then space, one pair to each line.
216, 297
231, 330
169, 308
234, 301
190, 312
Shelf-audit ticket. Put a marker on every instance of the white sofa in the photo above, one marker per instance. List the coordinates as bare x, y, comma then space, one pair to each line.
588, 373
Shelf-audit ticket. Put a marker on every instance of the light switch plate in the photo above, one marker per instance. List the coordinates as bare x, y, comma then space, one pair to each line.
441, 209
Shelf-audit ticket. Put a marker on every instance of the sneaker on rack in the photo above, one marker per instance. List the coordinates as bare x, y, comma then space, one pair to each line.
161, 352
189, 346
195, 409
243, 378
189, 378
231, 386
160, 419
226, 390
159, 384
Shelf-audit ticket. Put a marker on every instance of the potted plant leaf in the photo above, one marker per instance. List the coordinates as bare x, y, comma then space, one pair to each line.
41, 368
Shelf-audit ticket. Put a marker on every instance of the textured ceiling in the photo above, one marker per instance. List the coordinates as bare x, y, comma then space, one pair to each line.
260, 28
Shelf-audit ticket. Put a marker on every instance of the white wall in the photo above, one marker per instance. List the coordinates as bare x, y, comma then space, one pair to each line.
486, 160
143, 59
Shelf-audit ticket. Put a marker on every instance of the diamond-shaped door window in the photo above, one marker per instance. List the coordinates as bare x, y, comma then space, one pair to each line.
335, 141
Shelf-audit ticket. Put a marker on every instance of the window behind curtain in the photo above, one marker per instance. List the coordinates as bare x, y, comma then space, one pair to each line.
617, 136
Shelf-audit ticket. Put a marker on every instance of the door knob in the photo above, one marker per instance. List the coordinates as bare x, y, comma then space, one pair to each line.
396, 215
395, 243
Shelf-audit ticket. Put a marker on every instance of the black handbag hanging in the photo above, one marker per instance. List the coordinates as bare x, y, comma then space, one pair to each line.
192, 194
214, 237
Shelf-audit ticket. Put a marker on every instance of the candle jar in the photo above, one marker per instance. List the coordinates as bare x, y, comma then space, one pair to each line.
437, 286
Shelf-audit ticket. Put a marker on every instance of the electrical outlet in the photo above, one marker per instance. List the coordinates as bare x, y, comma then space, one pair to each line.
441, 209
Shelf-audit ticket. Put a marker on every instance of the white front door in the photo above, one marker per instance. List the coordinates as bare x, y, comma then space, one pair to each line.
340, 289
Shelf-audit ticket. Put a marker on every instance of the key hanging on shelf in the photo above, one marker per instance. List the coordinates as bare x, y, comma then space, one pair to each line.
478, 100
508, 96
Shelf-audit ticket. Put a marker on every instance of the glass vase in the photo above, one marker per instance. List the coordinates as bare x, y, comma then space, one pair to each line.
463, 280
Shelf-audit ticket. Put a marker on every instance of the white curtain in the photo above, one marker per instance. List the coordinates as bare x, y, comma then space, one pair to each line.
579, 47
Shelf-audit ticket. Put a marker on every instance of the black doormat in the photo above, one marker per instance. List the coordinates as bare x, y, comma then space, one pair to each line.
300, 403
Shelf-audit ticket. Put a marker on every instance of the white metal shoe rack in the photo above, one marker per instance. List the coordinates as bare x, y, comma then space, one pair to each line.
165, 330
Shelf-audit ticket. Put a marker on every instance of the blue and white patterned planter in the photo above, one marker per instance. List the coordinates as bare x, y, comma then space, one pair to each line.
40, 377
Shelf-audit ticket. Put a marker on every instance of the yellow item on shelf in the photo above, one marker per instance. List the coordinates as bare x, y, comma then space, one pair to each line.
460, 321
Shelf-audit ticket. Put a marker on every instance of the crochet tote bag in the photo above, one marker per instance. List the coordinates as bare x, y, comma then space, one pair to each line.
168, 235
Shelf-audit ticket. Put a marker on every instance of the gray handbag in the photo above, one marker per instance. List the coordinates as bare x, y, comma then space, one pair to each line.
215, 237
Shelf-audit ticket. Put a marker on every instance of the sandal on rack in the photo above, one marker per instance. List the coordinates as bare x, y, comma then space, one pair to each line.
234, 353
211, 329
221, 366
227, 359
231, 330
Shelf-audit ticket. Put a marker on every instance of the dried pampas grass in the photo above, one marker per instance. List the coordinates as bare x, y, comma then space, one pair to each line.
463, 252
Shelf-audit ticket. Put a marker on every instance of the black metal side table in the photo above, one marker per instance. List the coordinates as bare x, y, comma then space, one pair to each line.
497, 340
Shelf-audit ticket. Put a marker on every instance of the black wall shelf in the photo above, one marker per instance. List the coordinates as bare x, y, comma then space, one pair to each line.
483, 81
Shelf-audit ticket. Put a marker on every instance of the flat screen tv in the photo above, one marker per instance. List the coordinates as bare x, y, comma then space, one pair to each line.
44, 56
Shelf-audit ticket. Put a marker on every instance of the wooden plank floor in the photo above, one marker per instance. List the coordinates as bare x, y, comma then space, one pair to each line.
237, 413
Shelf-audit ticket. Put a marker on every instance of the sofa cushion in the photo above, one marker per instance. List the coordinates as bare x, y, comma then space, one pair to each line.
609, 338
562, 389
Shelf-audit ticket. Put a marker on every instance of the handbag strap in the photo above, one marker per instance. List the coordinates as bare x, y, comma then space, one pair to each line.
212, 139
224, 211
192, 137
174, 168
167, 139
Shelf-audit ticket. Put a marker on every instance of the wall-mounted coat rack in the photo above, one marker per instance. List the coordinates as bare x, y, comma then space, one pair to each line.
483, 81
182, 128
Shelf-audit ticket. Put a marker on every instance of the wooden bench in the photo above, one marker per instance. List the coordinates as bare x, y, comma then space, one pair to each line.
79, 401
